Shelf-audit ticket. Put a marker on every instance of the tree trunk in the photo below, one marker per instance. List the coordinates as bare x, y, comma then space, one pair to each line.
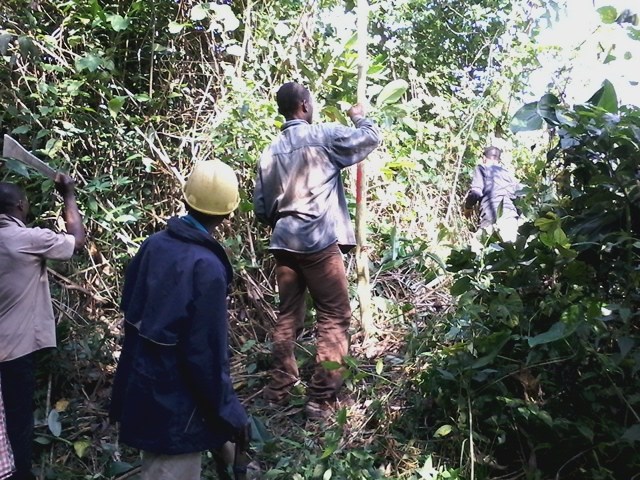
362, 259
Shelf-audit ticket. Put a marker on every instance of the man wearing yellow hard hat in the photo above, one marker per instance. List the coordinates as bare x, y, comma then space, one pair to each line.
172, 393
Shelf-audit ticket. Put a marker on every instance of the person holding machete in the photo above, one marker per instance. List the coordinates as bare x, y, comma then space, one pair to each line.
299, 194
172, 394
27, 322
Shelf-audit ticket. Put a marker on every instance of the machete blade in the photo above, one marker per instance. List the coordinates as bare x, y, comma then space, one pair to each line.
13, 149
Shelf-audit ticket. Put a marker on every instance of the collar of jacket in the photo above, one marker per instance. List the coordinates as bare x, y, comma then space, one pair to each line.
293, 123
180, 229
194, 223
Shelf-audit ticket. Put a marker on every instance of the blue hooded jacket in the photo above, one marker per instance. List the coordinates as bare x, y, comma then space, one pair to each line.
172, 393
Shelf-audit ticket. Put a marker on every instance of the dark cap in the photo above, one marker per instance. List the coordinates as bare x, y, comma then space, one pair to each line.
492, 152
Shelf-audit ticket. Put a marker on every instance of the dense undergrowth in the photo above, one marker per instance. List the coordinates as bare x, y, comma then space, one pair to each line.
538, 372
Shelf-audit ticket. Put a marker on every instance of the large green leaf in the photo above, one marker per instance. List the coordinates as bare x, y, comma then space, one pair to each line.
17, 167
526, 119
443, 431
329, 450
331, 365
259, 432
198, 12
495, 343
605, 98
115, 105
235, 50
175, 27
392, 92
569, 321
460, 286
547, 108
556, 332
282, 29
21, 129
5, 42
225, 16
53, 421
118, 22
90, 62
117, 468
81, 446
27, 47
608, 14
632, 434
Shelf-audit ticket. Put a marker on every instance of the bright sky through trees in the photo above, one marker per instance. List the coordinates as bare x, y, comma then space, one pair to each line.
581, 52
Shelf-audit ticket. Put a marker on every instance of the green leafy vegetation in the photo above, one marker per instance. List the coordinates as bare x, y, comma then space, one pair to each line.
539, 372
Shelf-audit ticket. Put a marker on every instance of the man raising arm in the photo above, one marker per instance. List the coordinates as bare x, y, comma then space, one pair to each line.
26, 314
299, 193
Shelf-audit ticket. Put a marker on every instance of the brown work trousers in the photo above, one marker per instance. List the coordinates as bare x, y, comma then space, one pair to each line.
323, 274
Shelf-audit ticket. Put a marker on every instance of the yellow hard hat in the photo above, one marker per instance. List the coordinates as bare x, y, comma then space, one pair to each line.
212, 188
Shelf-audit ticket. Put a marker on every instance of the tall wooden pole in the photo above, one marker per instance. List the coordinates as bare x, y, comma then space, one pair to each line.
362, 259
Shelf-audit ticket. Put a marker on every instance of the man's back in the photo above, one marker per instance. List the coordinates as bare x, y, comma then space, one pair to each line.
160, 281
299, 193
172, 392
497, 187
299, 190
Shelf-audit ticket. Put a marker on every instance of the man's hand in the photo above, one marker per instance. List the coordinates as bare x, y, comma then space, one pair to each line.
356, 110
64, 184
72, 217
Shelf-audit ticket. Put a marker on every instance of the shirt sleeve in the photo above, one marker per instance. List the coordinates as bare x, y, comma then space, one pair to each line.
47, 244
205, 348
518, 188
351, 145
477, 187
259, 207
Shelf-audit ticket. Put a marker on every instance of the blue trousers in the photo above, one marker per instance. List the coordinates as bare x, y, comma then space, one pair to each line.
18, 388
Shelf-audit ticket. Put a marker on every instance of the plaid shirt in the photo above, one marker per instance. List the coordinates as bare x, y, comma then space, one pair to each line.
6, 455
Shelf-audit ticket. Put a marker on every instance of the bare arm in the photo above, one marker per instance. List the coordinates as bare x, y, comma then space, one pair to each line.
72, 218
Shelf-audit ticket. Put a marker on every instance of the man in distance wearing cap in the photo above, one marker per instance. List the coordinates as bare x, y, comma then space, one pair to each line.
495, 187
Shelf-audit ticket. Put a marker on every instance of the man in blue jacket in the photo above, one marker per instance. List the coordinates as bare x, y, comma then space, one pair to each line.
299, 193
172, 393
